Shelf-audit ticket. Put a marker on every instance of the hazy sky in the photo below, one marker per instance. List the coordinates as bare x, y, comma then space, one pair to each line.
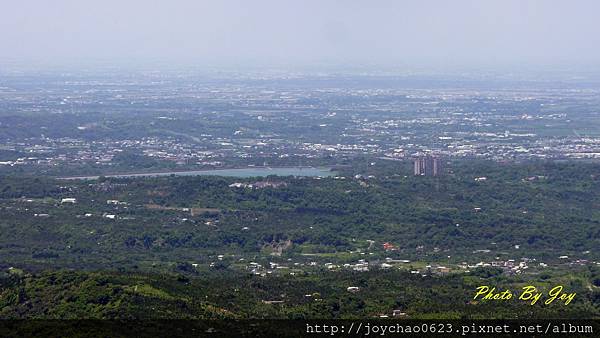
302, 32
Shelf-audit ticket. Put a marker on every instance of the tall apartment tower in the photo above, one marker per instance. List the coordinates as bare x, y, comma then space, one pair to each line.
419, 167
428, 166
438, 167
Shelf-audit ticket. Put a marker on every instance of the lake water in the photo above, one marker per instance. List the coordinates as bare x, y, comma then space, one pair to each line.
243, 172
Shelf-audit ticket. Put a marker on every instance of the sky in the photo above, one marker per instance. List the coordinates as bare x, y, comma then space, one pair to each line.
237, 33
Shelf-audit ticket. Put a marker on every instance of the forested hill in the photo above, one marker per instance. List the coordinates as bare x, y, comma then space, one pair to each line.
535, 210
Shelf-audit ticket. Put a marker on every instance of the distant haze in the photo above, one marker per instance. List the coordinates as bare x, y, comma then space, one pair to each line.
420, 33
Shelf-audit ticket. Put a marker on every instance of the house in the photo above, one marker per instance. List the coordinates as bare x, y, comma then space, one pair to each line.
362, 267
353, 289
443, 269
386, 265
388, 246
115, 202
68, 200
398, 313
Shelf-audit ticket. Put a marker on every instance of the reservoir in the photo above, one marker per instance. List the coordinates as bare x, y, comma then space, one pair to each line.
242, 172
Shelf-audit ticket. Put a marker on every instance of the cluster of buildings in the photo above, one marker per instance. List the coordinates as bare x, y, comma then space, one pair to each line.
258, 185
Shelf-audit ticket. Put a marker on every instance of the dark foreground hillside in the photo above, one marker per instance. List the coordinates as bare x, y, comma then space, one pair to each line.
230, 295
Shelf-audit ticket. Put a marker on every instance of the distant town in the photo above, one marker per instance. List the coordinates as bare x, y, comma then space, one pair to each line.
202, 122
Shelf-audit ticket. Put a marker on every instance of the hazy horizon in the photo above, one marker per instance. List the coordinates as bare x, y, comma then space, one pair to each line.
431, 34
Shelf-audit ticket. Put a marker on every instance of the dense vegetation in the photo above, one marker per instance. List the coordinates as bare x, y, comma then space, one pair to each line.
182, 245
547, 209
228, 294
